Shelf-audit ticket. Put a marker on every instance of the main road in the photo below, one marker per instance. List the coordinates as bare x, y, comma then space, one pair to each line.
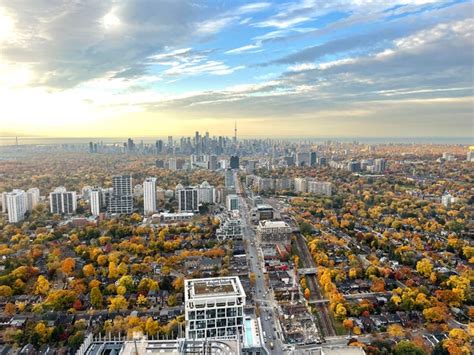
263, 295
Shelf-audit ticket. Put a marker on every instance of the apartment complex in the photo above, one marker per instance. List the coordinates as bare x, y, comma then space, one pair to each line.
273, 232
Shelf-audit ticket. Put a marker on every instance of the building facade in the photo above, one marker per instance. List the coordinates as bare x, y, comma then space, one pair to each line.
214, 308
149, 195
16, 205
187, 198
121, 200
62, 201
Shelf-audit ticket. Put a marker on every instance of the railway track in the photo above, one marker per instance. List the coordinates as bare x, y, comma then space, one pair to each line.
326, 326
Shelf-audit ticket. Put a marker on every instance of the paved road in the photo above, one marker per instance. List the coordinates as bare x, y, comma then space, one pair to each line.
263, 295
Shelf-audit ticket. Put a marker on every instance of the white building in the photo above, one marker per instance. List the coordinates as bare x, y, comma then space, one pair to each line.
470, 155
4, 202
447, 200
149, 195
232, 202
319, 188
32, 198
379, 165
206, 193
301, 185
62, 201
96, 200
273, 232
214, 308
172, 164
16, 205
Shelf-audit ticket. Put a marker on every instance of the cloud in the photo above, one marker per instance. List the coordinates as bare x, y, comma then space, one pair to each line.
247, 48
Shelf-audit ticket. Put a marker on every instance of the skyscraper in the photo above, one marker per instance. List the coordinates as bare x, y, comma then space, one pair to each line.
121, 200
16, 205
62, 201
149, 195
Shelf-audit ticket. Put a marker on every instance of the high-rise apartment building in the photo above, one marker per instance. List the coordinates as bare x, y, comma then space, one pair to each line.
229, 178
214, 308
98, 199
4, 202
206, 193
149, 195
187, 198
32, 198
121, 200
62, 201
301, 185
379, 165
323, 188
16, 205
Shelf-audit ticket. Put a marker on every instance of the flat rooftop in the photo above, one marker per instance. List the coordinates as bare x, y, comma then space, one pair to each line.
214, 286
274, 224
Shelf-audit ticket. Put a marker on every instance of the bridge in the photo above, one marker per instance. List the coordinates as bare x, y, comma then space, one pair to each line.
308, 271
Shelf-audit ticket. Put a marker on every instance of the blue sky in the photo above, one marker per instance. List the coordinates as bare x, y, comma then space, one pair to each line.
322, 68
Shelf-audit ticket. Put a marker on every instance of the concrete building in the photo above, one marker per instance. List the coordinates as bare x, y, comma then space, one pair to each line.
187, 198
379, 165
301, 185
447, 200
172, 164
121, 200
62, 201
303, 159
229, 180
273, 232
319, 188
96, 200
4, 202
16, 205
214, 308
32, 198
232, 202
149, 195
170, 218
206, 193
470, 155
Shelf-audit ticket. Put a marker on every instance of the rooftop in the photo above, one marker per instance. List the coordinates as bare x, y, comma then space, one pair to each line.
215, 286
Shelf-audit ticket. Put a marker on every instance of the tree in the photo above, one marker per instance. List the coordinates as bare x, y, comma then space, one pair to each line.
178, 284
307, 293
117, 303
348, 324
96, 298
10, 309
88, 270
396, 330
42, 286
424, 267
171, 300
252, 278
68, 265
152, 327
113, 271
142, 301
6, 291
406, 347
306, 228
341, 311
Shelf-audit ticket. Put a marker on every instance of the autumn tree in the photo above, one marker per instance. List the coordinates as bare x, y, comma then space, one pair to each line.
117, 303
96, 298
424, 267
68, 265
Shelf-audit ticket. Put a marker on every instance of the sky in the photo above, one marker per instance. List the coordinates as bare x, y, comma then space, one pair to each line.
347, 68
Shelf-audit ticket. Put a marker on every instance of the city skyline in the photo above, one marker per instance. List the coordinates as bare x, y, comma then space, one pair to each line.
296, 69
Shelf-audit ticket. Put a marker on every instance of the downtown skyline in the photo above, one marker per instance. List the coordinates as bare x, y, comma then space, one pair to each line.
283, 69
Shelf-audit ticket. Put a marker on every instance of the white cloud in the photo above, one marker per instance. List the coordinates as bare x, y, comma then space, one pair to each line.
243, 49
